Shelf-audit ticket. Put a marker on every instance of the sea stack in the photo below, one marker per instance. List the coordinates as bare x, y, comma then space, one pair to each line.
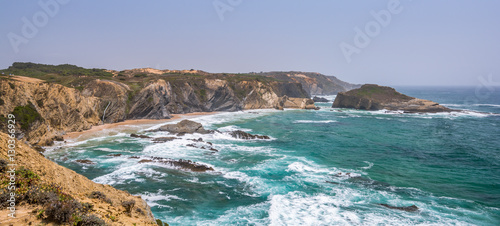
375, 97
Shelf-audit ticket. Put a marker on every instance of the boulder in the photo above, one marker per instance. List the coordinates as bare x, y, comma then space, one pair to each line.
320, 99
183, 127
85, 161
375, 97
411, 208
244, 135
163, 139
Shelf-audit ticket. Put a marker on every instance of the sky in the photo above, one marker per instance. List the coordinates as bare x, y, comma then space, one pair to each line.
387, 42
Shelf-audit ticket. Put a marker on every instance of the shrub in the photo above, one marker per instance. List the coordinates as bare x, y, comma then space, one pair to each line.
37, 195
90, 220
128, 205
3, 165
101, 196
63, 211
26, 115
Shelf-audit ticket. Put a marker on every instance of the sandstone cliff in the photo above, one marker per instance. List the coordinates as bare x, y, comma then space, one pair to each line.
314, 83
46, 110
374, 97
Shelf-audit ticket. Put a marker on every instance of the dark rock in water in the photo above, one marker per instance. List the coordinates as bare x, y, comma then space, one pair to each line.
139, 136
134, 157
185, 126
411, 208
320, 99
196, 140
375, 97
164, 139
114, 155
38, 148
183, 164
244, 135
331, 182
85, 161
213, 149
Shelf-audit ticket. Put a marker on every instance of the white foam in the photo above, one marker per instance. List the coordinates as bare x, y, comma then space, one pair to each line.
488, 105
297, 208
123, 173
313, 121
370, 165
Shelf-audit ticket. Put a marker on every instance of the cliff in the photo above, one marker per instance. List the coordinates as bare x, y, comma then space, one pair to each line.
314, 83
42, 183
374, 97
50, 100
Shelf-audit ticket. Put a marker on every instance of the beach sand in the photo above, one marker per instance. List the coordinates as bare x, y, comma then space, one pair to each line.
127, 126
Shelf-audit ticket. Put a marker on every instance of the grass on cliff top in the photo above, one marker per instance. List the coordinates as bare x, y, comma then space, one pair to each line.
77, 77
381, 93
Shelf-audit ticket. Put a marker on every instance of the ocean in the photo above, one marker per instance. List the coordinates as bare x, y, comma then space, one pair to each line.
320, 167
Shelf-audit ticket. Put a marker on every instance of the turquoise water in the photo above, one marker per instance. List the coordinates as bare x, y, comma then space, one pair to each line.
448, 165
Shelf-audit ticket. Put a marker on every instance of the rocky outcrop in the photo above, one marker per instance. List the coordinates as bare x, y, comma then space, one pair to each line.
182, 164
183, 127
374, 97
112, 99
246, 136
320, 99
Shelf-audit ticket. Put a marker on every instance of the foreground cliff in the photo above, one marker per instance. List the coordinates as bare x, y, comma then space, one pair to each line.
375, 97
50, 194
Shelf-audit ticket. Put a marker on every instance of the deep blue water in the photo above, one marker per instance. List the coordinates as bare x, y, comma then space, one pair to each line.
325, 167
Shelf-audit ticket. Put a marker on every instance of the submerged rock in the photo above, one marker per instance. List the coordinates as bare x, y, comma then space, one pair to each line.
375, 97
183, 127
114, 155
411, 208
244, 135
164, 139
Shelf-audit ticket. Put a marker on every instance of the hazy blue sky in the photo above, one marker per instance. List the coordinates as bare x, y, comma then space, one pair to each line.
423, 43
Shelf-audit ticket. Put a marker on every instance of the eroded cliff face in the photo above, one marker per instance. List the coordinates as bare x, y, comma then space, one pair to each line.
47, 109
62, 109
314, 83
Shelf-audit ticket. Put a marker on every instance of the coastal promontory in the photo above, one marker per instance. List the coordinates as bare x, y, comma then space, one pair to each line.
375, 97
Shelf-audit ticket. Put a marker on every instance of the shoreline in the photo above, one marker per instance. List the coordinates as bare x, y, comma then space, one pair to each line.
130, 126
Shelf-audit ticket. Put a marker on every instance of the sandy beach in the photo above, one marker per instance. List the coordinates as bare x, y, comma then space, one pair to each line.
129, 126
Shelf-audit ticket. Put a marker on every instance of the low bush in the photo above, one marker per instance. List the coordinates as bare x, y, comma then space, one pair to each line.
128, 205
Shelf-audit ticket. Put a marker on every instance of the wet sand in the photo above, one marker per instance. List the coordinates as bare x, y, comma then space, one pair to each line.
128, 126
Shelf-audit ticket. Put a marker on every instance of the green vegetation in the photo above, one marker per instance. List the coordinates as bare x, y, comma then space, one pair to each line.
26, 115
34, 70
58, 207
378, 92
